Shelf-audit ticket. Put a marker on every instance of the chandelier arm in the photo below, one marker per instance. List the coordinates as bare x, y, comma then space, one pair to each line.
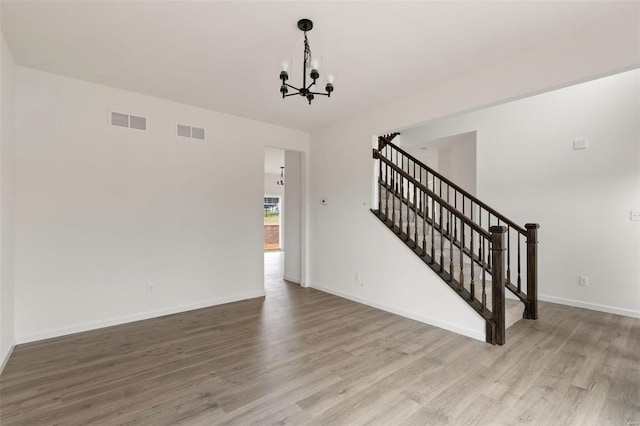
319, 93
293, 87
292, 94
309, 87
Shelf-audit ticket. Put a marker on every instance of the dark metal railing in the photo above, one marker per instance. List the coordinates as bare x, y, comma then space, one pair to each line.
437, 218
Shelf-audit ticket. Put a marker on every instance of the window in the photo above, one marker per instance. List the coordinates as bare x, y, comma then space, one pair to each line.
270, 202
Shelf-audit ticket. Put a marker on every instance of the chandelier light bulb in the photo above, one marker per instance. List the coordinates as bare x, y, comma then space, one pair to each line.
330, 78
315, 64
284, 66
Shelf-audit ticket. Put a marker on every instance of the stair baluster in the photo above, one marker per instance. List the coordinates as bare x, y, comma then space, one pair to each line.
451, 245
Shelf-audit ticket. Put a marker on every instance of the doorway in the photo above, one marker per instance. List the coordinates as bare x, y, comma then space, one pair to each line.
283, 216
274, 202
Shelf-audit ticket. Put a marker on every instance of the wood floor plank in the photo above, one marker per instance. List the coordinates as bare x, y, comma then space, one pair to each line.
622, 404
303, 357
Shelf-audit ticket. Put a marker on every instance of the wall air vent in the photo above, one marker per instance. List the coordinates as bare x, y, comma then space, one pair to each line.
190, 131
131, 121
184, 130
197, 133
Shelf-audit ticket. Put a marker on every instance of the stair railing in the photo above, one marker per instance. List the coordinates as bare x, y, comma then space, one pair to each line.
517, 237
430, 202
422, 212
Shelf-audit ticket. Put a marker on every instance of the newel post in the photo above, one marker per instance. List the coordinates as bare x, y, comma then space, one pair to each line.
497, 276
532, 269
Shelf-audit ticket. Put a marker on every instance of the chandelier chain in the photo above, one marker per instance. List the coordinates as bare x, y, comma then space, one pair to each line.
307, 50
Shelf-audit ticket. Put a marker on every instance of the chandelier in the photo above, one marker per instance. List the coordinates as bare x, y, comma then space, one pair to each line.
305, 25
281, 181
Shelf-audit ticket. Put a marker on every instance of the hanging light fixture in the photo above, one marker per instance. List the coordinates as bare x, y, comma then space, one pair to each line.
313, 65
281, 181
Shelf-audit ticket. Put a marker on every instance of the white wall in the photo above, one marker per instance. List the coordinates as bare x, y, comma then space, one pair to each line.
428, 157
458, 163
270, 185
392, 276
293, 219
452, 156
101, 211
7, 170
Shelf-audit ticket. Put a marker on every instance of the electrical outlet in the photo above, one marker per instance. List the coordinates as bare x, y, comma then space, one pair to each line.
583, 281
151, 288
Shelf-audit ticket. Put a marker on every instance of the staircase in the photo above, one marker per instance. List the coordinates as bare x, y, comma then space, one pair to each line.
477, 251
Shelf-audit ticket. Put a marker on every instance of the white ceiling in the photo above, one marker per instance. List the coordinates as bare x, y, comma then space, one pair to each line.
225, 56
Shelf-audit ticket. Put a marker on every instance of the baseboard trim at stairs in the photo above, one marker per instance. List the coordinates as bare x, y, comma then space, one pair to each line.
592, 306
468, 332
6, 358
94, 325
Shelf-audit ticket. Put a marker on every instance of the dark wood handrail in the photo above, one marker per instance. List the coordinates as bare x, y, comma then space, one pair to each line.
473, 198
437, 198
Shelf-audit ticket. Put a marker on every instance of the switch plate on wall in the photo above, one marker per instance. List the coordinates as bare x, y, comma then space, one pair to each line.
580, 143
635, 215
583, 281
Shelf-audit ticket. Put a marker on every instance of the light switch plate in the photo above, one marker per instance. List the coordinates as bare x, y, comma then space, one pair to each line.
580, 143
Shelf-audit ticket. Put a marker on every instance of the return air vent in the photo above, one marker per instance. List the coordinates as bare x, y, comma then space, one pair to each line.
184, 130
126, 120
197, 133
190, 131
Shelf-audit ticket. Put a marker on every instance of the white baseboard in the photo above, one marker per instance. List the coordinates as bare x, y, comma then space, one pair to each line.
592, 306
4, 361
474, 334
94, 325
293, 280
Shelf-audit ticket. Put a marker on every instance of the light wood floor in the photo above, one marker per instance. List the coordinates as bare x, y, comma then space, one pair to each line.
301, 356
